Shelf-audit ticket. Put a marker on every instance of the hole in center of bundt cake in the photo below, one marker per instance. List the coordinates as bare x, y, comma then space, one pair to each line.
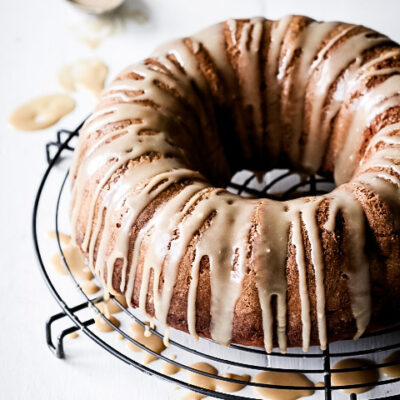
279, 184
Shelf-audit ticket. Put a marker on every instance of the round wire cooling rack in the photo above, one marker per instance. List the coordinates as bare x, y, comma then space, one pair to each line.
79, 307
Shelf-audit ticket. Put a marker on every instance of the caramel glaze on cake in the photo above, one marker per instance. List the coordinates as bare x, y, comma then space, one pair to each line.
150, 214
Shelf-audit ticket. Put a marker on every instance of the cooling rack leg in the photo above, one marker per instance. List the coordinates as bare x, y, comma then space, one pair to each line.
353, 396
58, 348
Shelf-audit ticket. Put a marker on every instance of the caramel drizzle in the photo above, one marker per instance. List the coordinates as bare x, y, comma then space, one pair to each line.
222, 222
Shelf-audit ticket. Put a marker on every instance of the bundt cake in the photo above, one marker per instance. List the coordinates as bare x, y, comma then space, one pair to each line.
150, 213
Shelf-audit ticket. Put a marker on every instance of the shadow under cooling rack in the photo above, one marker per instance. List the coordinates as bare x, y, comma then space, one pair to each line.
316, 364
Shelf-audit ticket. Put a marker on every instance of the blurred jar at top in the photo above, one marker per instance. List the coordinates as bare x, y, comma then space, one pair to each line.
97, 7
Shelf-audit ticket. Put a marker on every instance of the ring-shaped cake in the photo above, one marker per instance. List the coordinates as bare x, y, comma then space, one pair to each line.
152, 217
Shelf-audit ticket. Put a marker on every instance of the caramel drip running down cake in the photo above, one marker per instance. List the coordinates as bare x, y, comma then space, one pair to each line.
151, 215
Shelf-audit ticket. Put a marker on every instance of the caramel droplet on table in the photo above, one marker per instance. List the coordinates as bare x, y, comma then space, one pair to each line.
102, 325
93, 30
120, 337
90, 288
152, 342
64, 239
109, 306
392, 371
41, 112
169, 368
230, 387
356, 377
193, 396
88, 74
57, 264
282, 379
73, 335
75, 262
201, 380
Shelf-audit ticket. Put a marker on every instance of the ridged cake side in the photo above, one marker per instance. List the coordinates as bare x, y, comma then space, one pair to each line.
150, 216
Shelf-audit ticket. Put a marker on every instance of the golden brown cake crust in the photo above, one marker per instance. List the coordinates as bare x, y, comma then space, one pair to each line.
247, 94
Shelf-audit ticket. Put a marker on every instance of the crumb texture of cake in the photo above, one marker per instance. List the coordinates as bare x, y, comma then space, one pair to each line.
150, 213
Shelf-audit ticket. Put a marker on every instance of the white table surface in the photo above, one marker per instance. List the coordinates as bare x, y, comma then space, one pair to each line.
35, 41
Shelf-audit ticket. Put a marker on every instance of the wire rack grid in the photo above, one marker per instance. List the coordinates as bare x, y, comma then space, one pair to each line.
315, 363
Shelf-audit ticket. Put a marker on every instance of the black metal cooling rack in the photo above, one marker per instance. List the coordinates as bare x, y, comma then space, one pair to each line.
309, 186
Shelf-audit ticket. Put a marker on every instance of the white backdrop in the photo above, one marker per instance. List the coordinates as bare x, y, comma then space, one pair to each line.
35, 41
